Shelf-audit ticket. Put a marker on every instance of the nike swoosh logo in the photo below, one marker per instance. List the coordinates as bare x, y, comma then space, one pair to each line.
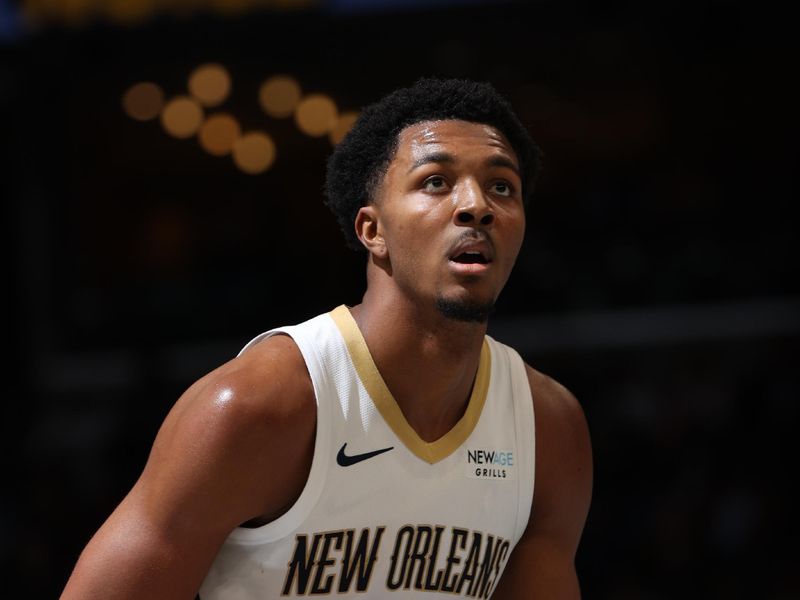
346, 461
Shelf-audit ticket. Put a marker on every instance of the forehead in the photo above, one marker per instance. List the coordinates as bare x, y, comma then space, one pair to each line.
451, 136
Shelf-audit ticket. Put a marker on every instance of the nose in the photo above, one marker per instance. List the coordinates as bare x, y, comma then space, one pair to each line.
471, 206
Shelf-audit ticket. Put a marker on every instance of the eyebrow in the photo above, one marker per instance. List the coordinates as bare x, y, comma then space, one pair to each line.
447, 158
502, 161
433, 157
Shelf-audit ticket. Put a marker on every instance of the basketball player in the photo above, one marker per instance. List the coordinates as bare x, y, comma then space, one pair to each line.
385, 450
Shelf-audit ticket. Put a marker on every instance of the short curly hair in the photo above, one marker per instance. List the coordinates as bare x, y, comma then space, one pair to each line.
360, 161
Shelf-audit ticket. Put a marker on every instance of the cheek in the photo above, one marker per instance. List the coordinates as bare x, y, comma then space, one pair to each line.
403, 243
513, 222
513, 239
413, 231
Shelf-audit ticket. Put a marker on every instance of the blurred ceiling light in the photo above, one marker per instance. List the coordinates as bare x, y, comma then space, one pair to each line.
77, 12
143, 101
230, 7
128, 12
254, 152
316, 115
288, 4
218, 134
343, 124
210, 84
279, 96
182, 117
133, 12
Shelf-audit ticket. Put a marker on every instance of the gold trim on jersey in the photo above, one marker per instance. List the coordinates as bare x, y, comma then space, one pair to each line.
387, 406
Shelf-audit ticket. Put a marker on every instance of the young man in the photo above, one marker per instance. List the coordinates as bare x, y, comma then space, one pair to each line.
391, 449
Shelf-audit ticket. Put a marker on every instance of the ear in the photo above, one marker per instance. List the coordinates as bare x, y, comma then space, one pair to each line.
369, 231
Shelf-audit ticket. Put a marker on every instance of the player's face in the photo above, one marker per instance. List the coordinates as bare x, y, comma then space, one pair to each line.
451, 215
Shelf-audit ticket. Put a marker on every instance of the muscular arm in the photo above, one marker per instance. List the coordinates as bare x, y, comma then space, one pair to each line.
542, 565
209, 470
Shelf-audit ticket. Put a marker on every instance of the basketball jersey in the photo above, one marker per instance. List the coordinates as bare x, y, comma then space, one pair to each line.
385, 514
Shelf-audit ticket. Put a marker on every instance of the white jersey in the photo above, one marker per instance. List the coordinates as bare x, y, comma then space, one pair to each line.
385, 514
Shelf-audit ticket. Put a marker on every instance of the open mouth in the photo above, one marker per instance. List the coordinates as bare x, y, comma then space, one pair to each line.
470, 258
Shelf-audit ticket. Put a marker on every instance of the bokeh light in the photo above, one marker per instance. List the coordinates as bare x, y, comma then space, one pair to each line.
182, 117
143, 101
210, 84
230, 7
128, 12
316, 115
279, 96
344, 123
218, 134
254, 152
76, 13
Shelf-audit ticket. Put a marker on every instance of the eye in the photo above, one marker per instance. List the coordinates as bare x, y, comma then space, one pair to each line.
436, 183
502, 188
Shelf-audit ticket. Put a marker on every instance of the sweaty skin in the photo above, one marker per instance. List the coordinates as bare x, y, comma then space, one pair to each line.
450, 182
452, 187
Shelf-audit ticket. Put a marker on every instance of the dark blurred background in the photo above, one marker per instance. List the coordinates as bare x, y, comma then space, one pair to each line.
152, 233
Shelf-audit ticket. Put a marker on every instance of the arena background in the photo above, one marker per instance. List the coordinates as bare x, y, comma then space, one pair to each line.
658, 280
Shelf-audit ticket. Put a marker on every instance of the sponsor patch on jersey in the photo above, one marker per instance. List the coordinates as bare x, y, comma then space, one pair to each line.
490, 463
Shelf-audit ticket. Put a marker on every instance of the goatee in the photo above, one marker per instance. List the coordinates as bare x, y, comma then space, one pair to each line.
468, 312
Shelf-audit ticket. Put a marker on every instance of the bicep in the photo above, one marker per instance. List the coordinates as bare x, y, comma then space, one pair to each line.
162, 537
199, 484
540, 568
133, 556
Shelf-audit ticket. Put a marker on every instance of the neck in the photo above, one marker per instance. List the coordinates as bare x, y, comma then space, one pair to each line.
427, 360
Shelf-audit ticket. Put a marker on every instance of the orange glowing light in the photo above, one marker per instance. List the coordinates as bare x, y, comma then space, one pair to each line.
210, 84
254, 152
279, 96
218, 134
128, 12
143, 101
343, 124
182, 117
316, 115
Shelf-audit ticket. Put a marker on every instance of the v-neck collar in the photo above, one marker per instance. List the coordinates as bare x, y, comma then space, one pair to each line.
387, 406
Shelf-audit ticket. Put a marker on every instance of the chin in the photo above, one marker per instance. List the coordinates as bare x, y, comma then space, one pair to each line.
464, 310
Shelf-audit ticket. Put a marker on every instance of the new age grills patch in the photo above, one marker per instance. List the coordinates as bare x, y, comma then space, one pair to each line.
485, 463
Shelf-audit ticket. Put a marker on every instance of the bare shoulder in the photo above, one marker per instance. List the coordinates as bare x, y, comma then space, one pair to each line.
268, 381
563, 478
212, 467
229, 426
554, 404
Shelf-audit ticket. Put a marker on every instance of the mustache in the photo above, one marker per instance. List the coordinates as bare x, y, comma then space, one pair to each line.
473, 235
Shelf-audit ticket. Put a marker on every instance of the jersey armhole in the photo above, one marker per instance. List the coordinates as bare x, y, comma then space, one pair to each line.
526, 438
299, 511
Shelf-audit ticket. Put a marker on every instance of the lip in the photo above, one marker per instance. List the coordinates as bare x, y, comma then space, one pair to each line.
469, 268
482, 246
